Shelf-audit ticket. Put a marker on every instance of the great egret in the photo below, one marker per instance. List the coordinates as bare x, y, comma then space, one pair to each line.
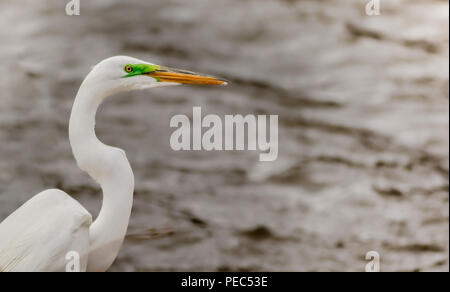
39, 235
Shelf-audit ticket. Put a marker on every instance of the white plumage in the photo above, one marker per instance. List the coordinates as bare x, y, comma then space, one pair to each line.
38, 235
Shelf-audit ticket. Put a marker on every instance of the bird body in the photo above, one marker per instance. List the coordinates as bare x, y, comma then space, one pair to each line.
39, 235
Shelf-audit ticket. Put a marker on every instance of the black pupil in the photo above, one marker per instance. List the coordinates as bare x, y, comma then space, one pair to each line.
129, 69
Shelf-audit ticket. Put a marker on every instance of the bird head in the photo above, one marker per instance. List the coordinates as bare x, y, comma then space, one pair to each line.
123, 73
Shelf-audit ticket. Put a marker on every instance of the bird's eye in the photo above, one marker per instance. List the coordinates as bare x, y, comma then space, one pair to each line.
128, 69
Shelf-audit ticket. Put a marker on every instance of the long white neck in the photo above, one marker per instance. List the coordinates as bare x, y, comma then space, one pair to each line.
110, 168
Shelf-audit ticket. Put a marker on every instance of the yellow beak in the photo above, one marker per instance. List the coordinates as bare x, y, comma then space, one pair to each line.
165, 74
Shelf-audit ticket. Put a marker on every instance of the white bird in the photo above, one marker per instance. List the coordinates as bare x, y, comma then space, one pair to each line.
45, 230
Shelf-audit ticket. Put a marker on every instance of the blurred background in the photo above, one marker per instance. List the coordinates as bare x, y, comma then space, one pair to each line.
363, 105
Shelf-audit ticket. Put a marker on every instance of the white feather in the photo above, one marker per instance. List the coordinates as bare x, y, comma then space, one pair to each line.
38, 235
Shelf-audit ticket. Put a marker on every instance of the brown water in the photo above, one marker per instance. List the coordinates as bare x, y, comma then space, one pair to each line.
363, 104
